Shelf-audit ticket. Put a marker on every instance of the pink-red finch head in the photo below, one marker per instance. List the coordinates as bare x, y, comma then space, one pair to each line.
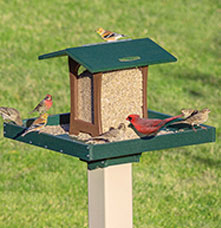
48, 97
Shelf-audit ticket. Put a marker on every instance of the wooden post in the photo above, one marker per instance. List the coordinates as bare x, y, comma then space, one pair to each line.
110, 197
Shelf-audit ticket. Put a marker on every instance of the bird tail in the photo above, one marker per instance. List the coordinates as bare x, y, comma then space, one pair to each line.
167, 120
179, 122
26, 132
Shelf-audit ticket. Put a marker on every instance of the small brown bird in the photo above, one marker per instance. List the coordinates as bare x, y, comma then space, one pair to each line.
188, 112
11, 114
114, 134
44, 105
196, 119
38, 124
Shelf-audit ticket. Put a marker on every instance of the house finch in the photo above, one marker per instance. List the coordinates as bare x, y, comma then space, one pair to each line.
196, 119
114, 134
109, 36
44, 105
11, 114
38, 124
188, 112
148, 126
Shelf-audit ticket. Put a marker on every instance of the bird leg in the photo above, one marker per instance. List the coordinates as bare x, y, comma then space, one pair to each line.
193, 128
203, 127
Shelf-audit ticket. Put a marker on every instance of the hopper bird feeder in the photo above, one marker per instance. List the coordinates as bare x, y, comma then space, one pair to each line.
113, 85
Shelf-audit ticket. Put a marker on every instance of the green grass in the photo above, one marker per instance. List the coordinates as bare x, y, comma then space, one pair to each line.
172, 188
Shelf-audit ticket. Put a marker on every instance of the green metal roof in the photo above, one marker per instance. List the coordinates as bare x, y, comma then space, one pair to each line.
116, 55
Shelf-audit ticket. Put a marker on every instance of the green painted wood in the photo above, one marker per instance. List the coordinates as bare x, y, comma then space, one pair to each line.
116, 55
62, 143
108, 153
113, 161
53, 54
188, 137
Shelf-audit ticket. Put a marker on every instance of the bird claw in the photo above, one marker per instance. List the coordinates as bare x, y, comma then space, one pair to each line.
194, 130
203, 127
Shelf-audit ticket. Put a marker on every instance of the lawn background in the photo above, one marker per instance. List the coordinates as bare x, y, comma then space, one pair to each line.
171, 188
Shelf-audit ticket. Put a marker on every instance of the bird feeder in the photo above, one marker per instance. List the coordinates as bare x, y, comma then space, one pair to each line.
113, 85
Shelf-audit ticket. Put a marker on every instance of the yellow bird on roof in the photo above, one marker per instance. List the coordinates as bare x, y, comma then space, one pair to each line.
108, 35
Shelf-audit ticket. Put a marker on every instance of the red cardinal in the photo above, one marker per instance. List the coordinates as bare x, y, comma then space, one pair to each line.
149, 126
44, 105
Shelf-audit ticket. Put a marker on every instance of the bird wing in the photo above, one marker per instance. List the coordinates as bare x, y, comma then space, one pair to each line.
38, 106
193, 113
4, 111
149, 122
108, 34
197, 119
36, 126
155, 122
9, 112
38, 123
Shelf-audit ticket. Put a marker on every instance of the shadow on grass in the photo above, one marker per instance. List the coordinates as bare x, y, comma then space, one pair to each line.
199, 76
217, 45
207, 161
195, 93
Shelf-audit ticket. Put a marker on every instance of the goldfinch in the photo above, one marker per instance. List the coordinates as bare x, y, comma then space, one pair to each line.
108, 35
38, 124
44, 105
11, 114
